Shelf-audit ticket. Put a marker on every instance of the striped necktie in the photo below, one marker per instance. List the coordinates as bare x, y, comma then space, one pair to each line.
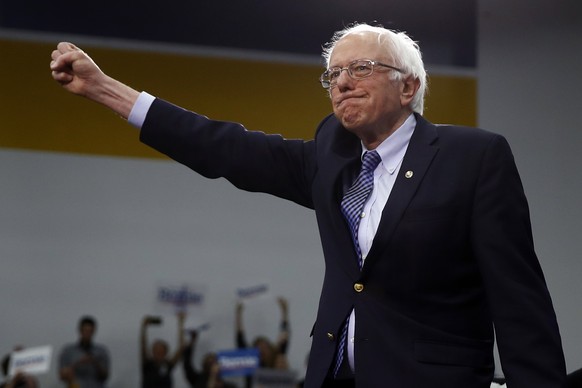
353, 201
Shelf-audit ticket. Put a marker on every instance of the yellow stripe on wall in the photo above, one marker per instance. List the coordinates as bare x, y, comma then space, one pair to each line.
36, 114
452, 100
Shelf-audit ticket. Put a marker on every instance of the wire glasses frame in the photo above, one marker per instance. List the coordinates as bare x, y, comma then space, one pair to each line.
358, 69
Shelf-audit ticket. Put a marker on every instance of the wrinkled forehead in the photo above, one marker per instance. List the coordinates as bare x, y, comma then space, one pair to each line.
359, 45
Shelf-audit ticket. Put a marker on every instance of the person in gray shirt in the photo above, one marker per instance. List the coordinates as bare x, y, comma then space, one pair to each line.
84, 364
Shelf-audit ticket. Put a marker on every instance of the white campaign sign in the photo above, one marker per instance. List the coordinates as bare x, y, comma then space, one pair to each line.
31, 360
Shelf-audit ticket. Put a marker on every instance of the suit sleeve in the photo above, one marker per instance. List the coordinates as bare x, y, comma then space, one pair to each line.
525, 323
251, 160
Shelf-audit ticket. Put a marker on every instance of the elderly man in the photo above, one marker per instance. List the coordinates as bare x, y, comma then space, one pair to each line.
425, 229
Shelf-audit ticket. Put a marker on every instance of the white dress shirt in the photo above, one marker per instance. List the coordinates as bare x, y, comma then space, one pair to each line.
140, 109
392, 152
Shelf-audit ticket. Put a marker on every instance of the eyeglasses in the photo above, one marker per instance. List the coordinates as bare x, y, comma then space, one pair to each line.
358, 69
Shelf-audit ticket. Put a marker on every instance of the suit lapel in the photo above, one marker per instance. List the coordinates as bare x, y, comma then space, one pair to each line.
418, 157
339, 166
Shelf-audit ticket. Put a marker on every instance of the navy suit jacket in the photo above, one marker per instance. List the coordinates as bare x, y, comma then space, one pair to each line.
452, 259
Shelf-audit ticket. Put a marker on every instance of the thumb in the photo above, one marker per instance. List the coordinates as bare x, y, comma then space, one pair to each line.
64, 47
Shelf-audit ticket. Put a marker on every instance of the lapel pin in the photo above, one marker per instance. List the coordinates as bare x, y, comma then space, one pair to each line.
408, 174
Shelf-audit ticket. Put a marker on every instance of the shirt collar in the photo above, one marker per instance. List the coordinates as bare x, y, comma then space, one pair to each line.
392, 149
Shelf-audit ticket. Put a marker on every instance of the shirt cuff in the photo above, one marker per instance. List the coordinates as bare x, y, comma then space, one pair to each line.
140, 109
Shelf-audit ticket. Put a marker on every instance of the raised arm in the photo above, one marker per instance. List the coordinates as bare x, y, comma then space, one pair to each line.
241, 341
78, 74
283, 339
143, 339
180, 345
190, 372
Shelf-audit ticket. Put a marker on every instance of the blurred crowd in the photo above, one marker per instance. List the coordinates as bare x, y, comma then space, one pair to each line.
86, 363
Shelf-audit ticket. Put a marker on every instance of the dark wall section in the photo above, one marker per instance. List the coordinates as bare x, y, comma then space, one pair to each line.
446, 29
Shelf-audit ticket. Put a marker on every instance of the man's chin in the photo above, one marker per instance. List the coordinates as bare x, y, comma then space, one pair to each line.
350, 122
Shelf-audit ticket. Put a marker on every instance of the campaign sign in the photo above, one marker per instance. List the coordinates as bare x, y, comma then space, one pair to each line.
253, 291
239, 362
180, 298
274, 378
199, 328
31, 360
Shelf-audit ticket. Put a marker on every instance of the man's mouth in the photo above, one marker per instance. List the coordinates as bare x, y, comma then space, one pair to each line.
345, 98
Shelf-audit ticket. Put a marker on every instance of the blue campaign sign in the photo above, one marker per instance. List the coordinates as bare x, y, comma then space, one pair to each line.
238, 362
180, 296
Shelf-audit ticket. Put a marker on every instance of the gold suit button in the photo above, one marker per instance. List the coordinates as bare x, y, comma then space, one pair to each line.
359, 287
330, 336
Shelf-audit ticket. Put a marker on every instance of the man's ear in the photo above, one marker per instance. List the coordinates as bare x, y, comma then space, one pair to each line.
410, 86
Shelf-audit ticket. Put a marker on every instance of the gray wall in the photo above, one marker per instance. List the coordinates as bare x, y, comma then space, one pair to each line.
95, 235
98, 235
530, 61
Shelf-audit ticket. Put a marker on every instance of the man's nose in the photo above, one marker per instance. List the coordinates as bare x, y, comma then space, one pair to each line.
344, 80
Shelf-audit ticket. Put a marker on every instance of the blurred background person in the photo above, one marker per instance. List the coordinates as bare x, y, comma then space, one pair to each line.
20, 379
271, 355
84, 364
209, 376
156, 364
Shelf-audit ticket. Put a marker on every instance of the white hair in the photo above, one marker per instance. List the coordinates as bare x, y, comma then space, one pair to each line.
405, 53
